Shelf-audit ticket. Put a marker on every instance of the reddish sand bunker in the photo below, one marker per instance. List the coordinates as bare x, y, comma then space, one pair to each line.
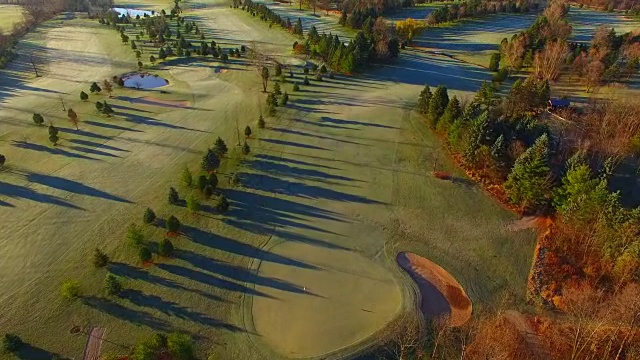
442, 295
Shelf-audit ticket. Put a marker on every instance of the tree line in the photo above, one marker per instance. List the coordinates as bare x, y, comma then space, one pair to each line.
566, 174
478, 8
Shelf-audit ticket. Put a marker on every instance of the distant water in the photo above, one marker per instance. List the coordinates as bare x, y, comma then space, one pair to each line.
144, 81
131, 12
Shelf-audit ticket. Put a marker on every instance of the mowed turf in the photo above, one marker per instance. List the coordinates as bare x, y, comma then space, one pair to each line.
584, 22
344, 169
10, 15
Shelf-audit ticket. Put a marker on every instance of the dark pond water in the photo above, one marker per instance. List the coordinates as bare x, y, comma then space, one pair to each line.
131, 12
143, 81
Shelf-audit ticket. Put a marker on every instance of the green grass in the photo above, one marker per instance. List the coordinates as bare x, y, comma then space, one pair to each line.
346, 164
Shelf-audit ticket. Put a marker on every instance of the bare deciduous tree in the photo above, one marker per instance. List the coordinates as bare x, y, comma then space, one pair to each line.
548, 62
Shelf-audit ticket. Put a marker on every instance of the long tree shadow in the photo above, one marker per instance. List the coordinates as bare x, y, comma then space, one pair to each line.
111, 126
15, 191
49, 150
32, 352
84, 133
292, 161
326, 119
239, 248
281, 186
317, 124
116, 310
291, 143
283, 170
146, 120
96, 144
173, 309
72, 186
131, 272
92, 151
210, 280
238, 273
302, 133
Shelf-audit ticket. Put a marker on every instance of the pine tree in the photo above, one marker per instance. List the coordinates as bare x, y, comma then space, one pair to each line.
494, 63
84, 96
38, 119
285, 99
247, 131
261, 123
173, 197
451, 114
437, 105
276, 89
297, 29
186, 178
529, 183
149, 216
220, 147
477, 133
246, 149
95, 88
172, 224
424, 99
222, 205
210, 161
100, 259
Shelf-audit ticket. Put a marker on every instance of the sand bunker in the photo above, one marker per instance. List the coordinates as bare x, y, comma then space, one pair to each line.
442, 295
149, 100
312, 300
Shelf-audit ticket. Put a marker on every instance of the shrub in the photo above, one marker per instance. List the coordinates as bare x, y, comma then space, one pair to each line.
500, 76
135, 236
84, 96
12, 343
144, 254
95, 88
261, 123
99, 106
165, 248
174, 199
323, 69
173, 224
149, 216
180, 346
100, 259
192, 202
314, 67
305, 70
305, 81
53, 130
246, 149
54, 139
38, 119
224, 58
70, 289
207, 191
243, 48
202, 182
247, 131
213, 180
296, 87
186, 178
112, 284
222, 205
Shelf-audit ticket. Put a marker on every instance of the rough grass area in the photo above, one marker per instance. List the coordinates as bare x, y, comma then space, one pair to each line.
585, 21
346, 166
10, 15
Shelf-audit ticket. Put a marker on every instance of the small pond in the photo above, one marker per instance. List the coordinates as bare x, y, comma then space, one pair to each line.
143, 81
132, 12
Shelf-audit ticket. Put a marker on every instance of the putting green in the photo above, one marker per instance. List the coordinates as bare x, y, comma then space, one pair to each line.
341, 302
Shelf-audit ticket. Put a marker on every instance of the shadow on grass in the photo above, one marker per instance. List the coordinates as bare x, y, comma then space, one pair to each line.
72, 186
238, 273
50, 150
284, 170
276, 185
291, 143
239, 248
23, 192
326, 119
291, 161
146, 120
111, 126
171, 308
131, 272
121, 312
96, 144
306, 134
31, 352
210, 280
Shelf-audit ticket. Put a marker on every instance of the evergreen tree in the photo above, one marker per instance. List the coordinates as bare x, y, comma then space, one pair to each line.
437, 105
494, 62
246, 149
477, 135
285, 99
144, 254
95, 88
213, 180
100, 259
202, 182
261, 123
162, 54
11, 343
220, 147
486, 95
173, 197
499, 153
165, 248
84, 96
210, 161
424, 99
38, 119
149, 216
247, 131
278, 69
451, 114
112, 284
172, 224
529, 183
297, 29
276, 89
222, 205
192, 202
186, 178
99, 106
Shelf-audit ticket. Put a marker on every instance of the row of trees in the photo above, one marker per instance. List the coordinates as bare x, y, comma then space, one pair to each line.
271, 17
477, 8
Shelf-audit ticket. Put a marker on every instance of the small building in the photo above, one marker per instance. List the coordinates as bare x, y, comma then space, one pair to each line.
556, 104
